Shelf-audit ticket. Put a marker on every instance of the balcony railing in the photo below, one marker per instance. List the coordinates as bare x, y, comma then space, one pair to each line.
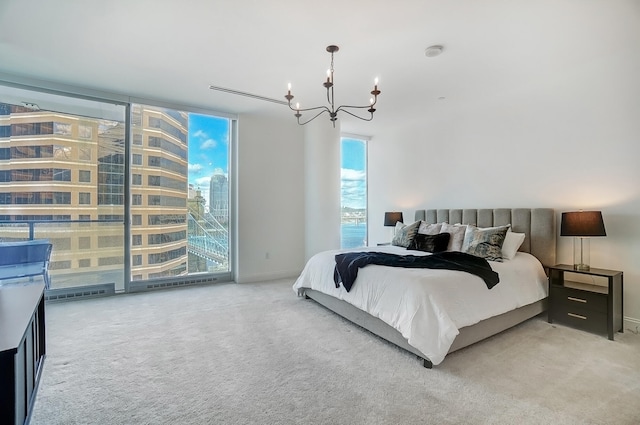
91, 252
85, 252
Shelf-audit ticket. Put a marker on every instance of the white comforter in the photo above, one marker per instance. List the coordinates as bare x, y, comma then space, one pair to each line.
428, 306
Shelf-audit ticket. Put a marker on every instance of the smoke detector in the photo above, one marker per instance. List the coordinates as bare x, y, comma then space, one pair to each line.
433, 51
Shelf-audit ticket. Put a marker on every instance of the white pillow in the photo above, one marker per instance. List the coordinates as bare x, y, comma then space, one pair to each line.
457, 235
512, 242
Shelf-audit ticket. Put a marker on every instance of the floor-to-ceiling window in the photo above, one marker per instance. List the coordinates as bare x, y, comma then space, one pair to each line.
119, 203
353, 192
180, 193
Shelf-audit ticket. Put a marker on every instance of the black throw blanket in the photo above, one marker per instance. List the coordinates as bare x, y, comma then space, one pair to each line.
347, 265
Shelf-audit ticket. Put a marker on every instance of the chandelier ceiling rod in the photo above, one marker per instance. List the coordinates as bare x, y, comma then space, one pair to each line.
332, 110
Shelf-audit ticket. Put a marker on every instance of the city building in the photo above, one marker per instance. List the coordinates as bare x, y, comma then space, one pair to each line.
219, 196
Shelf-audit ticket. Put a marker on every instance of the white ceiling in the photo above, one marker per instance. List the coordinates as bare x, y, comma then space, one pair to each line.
173, 50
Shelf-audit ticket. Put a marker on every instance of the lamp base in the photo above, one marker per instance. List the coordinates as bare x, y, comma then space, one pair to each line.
581, 257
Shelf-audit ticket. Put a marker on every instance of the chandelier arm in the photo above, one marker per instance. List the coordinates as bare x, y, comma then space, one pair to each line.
357, 116
325, 109
343, 107
314, 117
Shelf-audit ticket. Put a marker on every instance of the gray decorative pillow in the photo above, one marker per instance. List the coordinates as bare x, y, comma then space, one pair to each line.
429, 229
457, 235
405, 234
485, 242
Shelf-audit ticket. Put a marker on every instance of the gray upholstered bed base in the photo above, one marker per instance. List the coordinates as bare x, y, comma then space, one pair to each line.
467, 336
539, 227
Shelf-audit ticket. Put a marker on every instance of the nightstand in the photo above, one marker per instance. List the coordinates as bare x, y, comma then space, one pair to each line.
586, 306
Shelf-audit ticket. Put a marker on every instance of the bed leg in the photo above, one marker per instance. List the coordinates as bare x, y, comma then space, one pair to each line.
302, 293
426, 363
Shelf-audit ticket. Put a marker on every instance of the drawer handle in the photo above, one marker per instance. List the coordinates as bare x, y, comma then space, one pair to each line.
580, 300
577, 316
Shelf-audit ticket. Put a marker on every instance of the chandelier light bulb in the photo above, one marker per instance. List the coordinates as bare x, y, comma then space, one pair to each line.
289, 86
371, 101
375, 82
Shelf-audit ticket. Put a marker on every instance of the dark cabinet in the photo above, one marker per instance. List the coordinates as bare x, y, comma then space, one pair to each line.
22, 349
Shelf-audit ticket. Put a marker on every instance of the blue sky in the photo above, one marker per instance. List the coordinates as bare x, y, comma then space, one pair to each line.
208, 150
353, 178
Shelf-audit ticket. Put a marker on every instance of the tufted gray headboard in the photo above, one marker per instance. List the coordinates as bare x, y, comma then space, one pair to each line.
538, 224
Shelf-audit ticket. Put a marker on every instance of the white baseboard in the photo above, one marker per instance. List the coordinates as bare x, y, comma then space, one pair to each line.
631, 324
265, 276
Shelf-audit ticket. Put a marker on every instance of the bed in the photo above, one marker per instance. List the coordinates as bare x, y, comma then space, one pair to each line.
431, 313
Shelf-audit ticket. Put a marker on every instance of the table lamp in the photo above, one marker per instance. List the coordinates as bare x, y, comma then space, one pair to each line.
391, 218
582, 225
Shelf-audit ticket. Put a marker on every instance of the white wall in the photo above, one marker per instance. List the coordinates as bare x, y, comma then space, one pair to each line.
322, 187
270, 213
568, 141
288, 195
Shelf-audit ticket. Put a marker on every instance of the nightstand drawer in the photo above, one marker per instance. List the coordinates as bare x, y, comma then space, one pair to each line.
580, 317
575, 298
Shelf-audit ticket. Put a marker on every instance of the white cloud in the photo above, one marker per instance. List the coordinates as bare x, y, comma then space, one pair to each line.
203, 181
208, 144
353, 188
349, 174
195, 168
199, 134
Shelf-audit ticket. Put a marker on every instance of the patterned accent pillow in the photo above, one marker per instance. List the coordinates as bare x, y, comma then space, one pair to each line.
457, 232
485, 242
430, 243
405, 234
429, 229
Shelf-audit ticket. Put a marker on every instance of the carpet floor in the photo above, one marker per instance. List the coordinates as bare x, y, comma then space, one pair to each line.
258, 354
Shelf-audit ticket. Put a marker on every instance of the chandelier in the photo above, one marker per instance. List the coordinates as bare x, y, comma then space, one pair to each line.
331, 109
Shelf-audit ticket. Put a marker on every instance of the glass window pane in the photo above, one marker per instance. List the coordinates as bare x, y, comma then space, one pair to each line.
209, 193
353, 193
179, 157
47, 189
84, 176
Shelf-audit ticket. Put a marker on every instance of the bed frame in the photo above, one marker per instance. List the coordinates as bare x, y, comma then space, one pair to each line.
538, 225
